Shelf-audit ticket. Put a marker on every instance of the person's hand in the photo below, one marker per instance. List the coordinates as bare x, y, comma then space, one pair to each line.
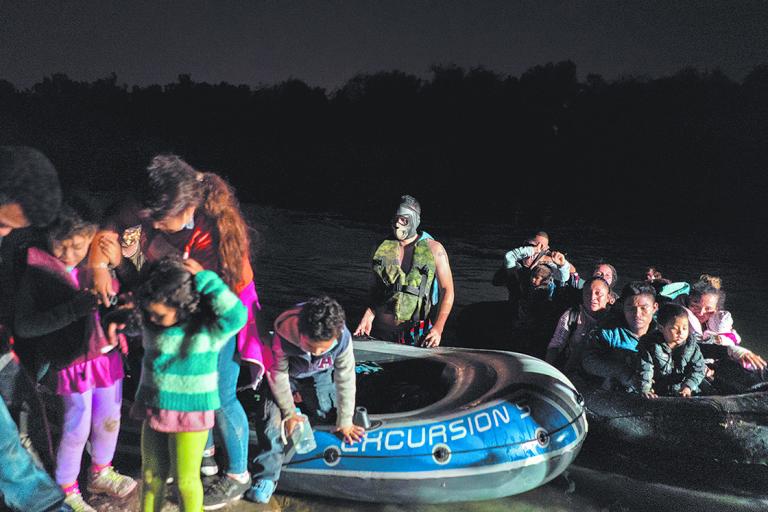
111, 248
709, 374
558, 258
291, 423
116, 338
102, 285
351, 433
649, 394
365, 325
686, 392
432, 339
721, 339
192, 266
751, 360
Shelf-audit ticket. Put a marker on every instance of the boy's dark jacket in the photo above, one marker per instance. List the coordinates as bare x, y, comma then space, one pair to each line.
669, 370
53, 318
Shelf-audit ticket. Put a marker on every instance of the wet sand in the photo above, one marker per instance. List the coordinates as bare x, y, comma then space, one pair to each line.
579, 489
131, 504
557, 496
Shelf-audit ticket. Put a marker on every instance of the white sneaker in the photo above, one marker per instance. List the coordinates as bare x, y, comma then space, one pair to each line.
77, 503
209, 466
108, 481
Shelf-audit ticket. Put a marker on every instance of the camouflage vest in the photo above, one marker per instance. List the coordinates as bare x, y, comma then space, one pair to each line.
409, 294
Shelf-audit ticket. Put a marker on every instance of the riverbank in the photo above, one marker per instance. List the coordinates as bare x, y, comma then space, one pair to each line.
299, 255
558, 495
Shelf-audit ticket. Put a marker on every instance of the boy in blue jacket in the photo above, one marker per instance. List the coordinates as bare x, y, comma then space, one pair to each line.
611, 351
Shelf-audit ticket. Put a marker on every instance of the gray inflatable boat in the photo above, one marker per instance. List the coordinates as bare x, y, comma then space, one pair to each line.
447, 425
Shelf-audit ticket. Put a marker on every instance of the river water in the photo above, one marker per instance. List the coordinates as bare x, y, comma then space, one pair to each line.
301, 254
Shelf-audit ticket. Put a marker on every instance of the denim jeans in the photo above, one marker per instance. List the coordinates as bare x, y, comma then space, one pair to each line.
231, 422
27, 410
318, 397
24, 485
318, 402
267, 447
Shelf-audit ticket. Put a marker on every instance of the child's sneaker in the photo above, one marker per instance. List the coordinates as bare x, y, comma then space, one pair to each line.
76, 502
224, 491
209, 466
108, 481
261, 491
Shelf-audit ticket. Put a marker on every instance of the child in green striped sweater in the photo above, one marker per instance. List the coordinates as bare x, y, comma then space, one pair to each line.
189, 314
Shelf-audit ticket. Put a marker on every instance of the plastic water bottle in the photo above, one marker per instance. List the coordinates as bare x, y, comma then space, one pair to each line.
302, 436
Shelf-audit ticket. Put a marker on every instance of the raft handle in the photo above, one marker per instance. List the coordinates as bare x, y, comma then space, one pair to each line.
576, 395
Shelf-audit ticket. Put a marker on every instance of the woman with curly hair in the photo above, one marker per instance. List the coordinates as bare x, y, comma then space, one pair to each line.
195, 215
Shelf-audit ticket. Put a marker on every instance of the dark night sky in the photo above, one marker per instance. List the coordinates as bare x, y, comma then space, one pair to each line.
326, 42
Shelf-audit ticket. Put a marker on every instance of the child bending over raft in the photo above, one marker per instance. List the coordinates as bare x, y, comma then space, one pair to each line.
313, 360
669, 359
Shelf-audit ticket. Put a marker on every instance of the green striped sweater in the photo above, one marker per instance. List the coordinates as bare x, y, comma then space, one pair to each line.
179, 369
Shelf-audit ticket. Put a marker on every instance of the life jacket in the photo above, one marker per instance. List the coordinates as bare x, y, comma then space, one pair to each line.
409, 294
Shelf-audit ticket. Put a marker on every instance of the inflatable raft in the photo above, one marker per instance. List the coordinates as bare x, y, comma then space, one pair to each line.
447, 425
711, 443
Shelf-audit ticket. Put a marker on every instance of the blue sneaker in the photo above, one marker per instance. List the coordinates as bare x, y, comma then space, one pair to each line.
261, 491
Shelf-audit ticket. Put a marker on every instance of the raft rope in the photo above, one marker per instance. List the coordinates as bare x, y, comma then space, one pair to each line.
430, 454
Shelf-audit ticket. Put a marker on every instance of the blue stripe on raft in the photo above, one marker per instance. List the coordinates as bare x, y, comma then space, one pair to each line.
449, 472
498, 434
405, 472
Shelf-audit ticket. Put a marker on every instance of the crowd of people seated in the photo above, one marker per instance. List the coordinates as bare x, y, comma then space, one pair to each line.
657, 337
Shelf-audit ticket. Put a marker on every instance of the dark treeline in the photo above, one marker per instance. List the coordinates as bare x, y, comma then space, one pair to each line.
692, 147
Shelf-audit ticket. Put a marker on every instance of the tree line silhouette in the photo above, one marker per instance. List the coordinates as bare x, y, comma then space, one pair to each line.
476, 143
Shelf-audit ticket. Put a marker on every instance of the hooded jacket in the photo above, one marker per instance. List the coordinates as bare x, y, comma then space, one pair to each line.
669, 370
721, 323
53, 320
290, 361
